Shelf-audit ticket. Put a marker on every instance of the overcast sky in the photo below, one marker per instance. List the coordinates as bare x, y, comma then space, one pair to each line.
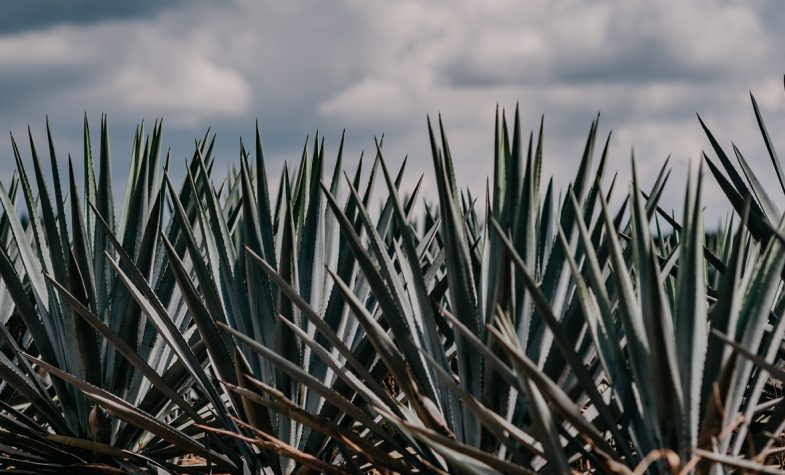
382, 66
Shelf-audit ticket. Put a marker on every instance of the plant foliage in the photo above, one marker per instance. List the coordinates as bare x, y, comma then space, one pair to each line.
224, 325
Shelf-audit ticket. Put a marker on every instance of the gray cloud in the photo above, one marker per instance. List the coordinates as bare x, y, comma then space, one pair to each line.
23, 15
374, 66
610, 42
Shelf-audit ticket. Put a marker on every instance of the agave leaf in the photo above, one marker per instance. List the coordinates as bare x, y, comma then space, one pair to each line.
99, 448
331, 231
176, 375
502, 429
761, 378
548, 389
657, 189
525, 235
377, 335
300, 194
124, 313
601, 342
131, 188
147, 300
460, 273
42, 330
255, 415
304, 378
5, 229
775, 426
711, 258
340, 369
277, 401
768, 205
126, 351
464, 458
11, 375
637, 347
724, 317
81, 244
582, 176
31, 264
34, 446
512, 169
606, 326
382, 291
285, 343
325, 330
26, 369
35, 466
691, 325
32, 209
565, 347
658, 323
219, 241
507, 373
51, 322
203, 274
105, 205
499, 168
89, 176
738, 463
546, 227
543, 424
136, 203
758, 225
261, 296
155, 151
555, 277
218, 347
268, 442
754, 313
283, 197
738, 183
384, 227
769, 145
132, 415
263, 200
59, 200
759, 361
85, 341
428, 338
311, 244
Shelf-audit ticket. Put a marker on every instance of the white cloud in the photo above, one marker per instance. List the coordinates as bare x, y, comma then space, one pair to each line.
51, 48
187, 90
371, 99
133, 66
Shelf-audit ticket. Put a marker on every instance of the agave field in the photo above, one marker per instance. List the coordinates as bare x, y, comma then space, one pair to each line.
211, 326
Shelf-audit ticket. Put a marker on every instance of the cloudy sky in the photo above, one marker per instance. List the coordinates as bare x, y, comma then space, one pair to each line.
382, 66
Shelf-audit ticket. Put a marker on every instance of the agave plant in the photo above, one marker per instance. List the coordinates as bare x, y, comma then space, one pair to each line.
272, 293
304, 333
604, 350
414, 280
91, 375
